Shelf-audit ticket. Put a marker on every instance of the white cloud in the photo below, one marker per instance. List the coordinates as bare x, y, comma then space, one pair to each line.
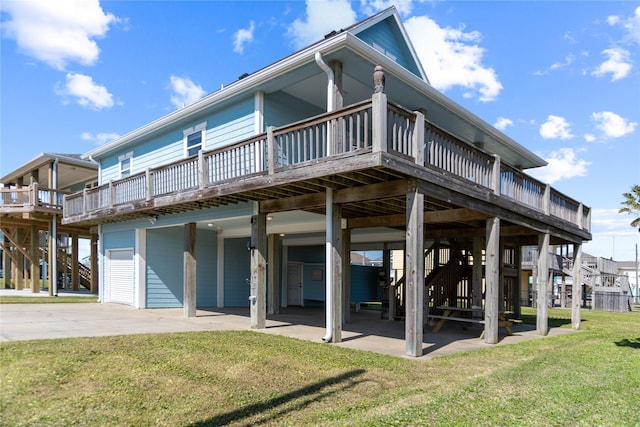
86, 93
630, 25
57, 32
589, 137
322, 17
612, 125
453, 57
99, 138
370, 7
184, 91
556, 127
242, 37
618, 64
562, 164
567, 61
502, 123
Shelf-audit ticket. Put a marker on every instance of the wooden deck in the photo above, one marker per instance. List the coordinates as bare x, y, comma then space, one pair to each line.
369, 154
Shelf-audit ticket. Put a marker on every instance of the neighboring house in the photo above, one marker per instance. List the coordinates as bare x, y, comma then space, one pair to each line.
254, 195
31, 211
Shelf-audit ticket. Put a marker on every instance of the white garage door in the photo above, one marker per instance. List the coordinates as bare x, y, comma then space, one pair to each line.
120, 276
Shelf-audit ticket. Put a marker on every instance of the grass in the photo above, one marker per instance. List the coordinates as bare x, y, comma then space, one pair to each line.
18, 299
247, 378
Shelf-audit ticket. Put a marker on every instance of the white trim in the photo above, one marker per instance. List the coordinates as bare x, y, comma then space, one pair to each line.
102, 266
140, 268
258, 112
122, 158
200, 127
285, 263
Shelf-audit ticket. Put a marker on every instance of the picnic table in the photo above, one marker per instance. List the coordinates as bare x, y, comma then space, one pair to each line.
460, 314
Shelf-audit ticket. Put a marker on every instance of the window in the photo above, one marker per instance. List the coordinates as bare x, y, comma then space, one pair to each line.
124, 162
194, 139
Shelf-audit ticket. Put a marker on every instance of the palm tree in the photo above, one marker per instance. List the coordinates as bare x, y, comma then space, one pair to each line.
631, 205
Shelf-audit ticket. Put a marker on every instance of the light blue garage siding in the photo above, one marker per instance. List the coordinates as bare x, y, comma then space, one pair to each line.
117, 239
387, 38
364, 283
206, 268
237, 269
228, 124
165, 254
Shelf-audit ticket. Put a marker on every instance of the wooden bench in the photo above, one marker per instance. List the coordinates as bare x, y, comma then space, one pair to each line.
455, 314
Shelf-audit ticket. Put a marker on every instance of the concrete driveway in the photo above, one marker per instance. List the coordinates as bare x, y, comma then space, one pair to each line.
20, 322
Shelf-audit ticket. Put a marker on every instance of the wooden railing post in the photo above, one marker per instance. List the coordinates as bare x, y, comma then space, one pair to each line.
272, 150
84, 201
546, 200
149, 183
33, 199
112, 194
580, 216
202, 171
418, 139
495, 175
379, 121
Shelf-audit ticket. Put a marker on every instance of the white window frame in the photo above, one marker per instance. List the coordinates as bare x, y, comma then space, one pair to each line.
199, 128
121, 160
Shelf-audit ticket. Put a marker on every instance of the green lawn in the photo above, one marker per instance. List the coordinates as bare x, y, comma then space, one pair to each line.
247, 378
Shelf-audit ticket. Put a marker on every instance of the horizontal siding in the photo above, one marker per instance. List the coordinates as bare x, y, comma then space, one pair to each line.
386, 37
206, 268
281, 109
237, 269
364, 283
307, 254
165, 267
117, 239
313, 289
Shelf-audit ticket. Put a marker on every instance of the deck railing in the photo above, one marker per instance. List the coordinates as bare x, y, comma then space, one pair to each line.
31, 198
373, 125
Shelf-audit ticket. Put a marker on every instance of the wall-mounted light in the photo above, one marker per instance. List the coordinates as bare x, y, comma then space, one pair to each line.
153, 219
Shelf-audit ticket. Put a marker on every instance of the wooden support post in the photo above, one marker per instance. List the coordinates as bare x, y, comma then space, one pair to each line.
476, 276
94, 263
148, 184
189, 277
492, 281
414, 262
35, 258
517, 306
495, 174
576, 288
542, 285
20, 265
258, 295
338, 265
75, 271
7, 263
273, 269
346, 275
391, 290
379, 122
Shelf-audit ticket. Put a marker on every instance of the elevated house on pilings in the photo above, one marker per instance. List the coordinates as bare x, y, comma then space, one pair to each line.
31, 211
254, 195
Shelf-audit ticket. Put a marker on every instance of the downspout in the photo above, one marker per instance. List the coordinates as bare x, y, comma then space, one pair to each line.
329, 230
330, 80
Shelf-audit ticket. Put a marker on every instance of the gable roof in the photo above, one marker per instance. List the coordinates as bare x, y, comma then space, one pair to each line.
360, 50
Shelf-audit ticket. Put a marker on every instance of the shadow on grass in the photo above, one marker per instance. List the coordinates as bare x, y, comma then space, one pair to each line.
633, 343
305, 395
554, 322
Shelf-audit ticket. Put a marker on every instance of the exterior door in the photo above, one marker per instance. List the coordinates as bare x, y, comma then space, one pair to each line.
294, 283
120, 276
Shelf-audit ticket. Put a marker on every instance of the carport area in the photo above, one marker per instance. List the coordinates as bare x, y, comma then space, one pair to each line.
366, 331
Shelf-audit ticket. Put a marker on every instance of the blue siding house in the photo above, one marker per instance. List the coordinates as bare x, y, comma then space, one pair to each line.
254, 195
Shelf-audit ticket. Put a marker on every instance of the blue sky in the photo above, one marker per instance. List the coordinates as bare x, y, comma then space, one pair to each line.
561, 78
